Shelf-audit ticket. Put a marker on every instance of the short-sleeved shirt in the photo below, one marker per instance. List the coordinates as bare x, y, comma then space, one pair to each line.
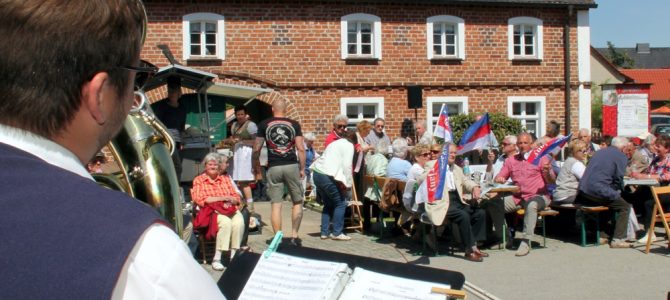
526, 176
279, 135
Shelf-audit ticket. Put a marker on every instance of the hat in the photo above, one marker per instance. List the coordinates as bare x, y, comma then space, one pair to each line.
643, 135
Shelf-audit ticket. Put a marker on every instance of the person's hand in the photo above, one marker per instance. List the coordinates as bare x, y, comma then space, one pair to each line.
499, 180
409, 141
545, 168
476, 193
302, 173
226, 204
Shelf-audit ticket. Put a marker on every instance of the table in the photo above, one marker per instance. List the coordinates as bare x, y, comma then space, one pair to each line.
633, 181
500, 188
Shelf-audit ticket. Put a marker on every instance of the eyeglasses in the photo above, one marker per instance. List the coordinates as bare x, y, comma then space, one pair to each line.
340, 126
505, 144
435, 151
142, 74
425, 154
380, 126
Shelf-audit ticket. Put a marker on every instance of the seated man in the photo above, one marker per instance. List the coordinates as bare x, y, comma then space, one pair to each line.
532, 181
601, 186
494, 203
471, 221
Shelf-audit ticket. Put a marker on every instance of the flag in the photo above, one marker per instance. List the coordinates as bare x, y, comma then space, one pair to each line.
436, 176
478, 136
443, 129
554, 144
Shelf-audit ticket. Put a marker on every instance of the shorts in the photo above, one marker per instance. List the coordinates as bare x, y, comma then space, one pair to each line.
284, 175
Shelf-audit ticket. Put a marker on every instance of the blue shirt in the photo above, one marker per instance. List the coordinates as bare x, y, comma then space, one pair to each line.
603, 177
398, 168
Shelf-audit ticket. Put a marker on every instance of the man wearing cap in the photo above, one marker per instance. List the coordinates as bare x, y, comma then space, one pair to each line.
644, 154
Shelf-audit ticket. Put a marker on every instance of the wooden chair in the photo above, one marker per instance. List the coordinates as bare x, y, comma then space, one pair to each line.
356, 218
658, 215
207, 247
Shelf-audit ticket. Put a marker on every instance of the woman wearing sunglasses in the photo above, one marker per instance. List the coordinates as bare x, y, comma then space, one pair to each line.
571, 172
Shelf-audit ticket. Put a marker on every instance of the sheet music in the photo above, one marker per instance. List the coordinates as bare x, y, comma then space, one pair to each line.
366, 284
289, 277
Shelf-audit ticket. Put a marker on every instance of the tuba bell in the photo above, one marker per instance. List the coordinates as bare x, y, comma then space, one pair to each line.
142, 151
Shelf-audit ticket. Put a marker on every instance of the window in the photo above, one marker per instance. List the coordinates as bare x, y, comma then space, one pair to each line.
455, 105
531, 111
362, 108
445, 37
203, 36
525, 38
361, 36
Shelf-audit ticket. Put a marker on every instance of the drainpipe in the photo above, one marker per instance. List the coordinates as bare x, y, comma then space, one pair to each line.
566, 67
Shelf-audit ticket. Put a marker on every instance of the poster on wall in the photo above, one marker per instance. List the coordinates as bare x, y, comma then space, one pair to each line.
625, 109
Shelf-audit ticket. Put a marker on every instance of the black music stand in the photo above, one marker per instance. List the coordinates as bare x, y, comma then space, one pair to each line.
236, 275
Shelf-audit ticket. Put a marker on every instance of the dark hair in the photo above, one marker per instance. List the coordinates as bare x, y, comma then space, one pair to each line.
663, 140
51, 48
607, 139
173, 83
350, 135
239, 108
553, 129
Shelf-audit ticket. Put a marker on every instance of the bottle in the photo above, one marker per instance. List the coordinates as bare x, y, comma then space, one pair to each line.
466, 166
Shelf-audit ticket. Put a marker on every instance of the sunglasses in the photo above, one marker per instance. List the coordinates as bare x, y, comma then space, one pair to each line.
506, 144
379, 126
341, 126
425, 154
142, 74
435, 151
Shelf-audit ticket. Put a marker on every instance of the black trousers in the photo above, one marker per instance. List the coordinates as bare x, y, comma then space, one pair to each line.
471, 221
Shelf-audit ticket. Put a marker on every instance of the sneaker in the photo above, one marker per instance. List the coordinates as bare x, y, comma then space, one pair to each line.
603, 241
523, 249
325, 237
620, 244
217, 265
643, 240
341, 237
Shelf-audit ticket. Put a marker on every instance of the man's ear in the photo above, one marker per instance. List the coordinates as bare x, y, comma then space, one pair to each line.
92, 97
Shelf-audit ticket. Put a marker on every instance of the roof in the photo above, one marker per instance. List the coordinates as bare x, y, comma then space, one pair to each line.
659, 79
609, 66
656, 58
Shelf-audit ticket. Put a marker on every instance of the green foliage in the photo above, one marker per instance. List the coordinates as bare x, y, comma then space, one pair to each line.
619, 58
596, 108
502, 125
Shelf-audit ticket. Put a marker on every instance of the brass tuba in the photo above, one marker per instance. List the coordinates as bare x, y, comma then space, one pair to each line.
142, 151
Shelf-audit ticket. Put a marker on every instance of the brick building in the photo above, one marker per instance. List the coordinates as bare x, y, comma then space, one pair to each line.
360, 57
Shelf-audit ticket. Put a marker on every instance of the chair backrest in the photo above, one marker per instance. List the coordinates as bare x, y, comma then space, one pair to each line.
660, 190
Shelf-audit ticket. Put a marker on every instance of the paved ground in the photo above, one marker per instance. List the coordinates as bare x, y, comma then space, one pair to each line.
563, 269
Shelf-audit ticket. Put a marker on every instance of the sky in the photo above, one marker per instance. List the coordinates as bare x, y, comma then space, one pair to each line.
627, 22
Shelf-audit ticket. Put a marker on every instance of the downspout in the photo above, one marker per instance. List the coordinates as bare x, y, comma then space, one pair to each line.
566, 67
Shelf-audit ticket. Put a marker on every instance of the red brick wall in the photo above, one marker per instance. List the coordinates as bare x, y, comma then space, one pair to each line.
308, 70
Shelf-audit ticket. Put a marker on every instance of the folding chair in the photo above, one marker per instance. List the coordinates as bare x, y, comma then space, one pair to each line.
356, 218
658, 215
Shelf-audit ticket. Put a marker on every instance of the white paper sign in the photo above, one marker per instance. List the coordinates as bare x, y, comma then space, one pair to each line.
633, 114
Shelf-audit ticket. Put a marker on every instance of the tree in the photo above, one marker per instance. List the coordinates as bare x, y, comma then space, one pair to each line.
618, 57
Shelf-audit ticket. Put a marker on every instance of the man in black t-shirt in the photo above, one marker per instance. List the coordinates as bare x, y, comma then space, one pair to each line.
173, 115
286, 164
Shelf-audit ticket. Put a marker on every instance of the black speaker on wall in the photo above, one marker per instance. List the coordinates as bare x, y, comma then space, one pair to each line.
414, 97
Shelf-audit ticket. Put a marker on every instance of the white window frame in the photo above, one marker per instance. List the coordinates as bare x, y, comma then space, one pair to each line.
376, 35
541, 111
346, 101
459, 39
460, 100
538, 37
220, 34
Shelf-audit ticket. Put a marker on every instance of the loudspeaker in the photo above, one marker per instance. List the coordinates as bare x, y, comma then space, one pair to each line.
414, 97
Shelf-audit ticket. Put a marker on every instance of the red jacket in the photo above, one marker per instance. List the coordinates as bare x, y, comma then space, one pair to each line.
206, 218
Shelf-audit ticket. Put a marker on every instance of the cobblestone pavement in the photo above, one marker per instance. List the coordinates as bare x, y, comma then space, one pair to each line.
561, 269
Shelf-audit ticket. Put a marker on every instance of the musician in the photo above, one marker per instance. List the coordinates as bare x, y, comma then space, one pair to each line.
66, 86
173, 115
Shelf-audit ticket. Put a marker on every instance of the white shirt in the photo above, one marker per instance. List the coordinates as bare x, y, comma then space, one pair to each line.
336, 161
160, 266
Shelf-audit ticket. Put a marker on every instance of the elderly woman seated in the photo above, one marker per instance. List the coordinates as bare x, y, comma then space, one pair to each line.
571, 172
218, 198
375, 165
398, 166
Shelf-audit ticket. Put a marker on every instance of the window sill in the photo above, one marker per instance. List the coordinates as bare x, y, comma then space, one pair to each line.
357, 58
203, 59
528, 59
446, 58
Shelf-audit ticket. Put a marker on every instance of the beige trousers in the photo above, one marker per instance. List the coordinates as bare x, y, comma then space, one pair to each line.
230, 232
